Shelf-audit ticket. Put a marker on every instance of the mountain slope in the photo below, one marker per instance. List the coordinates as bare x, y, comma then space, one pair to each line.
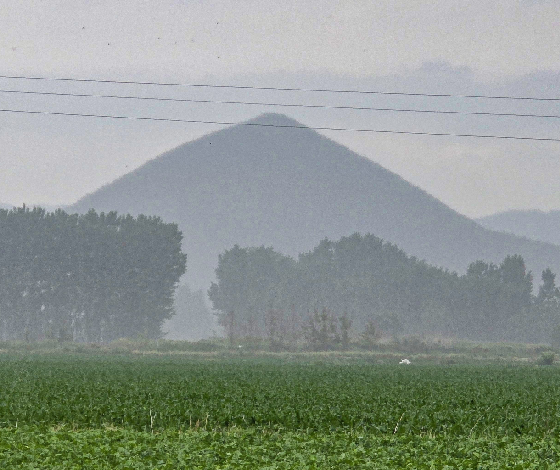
534, 224
255, 184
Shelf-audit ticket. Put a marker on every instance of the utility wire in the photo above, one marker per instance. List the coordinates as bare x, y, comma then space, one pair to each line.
285, 105
285, 126
248, 87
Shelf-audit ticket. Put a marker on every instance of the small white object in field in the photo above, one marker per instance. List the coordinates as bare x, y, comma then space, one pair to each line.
404, 361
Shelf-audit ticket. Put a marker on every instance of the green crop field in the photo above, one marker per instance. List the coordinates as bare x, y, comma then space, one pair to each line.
162, 411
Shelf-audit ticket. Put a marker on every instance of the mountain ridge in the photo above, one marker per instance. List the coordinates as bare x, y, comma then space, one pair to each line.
533, 224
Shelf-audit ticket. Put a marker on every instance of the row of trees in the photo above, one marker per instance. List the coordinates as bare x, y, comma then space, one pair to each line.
97, 277
92, 277
372, 285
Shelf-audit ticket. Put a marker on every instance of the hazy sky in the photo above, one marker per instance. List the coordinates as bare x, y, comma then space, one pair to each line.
448, 46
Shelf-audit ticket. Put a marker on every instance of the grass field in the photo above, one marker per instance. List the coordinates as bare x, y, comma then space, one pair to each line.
116, 410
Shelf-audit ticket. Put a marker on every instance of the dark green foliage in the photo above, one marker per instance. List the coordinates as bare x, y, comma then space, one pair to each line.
496, 301
92, 277
370, 335
123, 412
120, 391
547, 358
203, 449
345, 325
375, 284
251, 282
321, 331
248, 449
276, 331
548, 292
360, 277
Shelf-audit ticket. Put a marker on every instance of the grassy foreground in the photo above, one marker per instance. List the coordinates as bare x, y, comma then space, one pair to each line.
253, 448
134, 411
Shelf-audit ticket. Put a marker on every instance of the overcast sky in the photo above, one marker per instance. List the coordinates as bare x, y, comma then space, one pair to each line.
448, 46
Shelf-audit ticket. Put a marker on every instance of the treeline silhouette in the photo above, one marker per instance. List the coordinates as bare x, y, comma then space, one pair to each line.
97, 277
364, 286
92, 277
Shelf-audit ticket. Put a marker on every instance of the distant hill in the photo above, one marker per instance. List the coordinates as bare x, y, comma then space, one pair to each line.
255, 185
534, 224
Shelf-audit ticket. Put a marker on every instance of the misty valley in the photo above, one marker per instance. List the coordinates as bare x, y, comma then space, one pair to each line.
96, 278
263, 235
316, 312
355, 354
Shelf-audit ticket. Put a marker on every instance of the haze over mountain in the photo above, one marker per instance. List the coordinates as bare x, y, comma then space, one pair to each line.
534, 224
254, 184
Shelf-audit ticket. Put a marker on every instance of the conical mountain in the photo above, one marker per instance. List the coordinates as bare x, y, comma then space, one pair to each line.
264, 182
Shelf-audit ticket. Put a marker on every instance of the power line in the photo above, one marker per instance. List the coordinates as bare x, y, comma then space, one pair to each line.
250, 87
285, 126
285, 105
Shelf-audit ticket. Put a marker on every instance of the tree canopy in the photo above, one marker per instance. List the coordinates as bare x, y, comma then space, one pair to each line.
91, 277
369, 282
